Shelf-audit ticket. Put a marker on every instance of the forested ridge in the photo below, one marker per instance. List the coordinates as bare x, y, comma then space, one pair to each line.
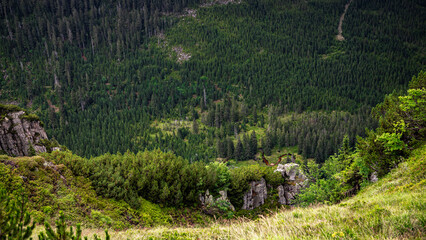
101, 73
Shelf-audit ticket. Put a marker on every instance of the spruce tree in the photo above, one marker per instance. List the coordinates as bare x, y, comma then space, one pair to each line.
239, 150
253, 144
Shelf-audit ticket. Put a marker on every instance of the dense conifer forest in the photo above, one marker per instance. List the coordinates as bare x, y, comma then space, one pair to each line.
101, 73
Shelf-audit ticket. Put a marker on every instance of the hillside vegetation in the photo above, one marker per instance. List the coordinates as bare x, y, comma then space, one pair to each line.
163, 101
392, 208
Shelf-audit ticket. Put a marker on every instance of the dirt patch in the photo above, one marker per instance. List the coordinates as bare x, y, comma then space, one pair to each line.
339, 36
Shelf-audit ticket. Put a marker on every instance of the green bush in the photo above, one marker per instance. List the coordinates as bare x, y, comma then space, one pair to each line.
402, 124
159, 177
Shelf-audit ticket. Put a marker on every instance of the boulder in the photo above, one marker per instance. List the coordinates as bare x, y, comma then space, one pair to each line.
281, 196
256, 195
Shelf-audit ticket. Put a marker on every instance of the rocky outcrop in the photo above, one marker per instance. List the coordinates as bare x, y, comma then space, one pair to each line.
287, 193
19, 135
258, 192
295, 179
256, 195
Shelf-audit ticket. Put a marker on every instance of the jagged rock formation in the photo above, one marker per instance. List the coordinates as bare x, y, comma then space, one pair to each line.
258, 192
295, 179
20, 134
256, 196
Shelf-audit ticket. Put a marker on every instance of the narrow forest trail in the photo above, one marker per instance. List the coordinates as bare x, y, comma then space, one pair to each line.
339, 36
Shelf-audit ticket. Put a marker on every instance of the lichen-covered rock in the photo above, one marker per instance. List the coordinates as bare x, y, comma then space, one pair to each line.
291, 172
20, 136
256, 195
295, 179
206, 199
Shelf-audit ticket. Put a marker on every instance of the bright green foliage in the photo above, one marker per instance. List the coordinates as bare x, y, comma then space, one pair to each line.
220, 174
61, 232
391, 141
15, 220
336, 178
402, 124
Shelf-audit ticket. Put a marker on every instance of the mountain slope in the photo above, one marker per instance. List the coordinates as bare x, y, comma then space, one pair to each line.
99, 72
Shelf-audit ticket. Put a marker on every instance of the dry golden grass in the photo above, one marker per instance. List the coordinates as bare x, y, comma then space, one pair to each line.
368, 216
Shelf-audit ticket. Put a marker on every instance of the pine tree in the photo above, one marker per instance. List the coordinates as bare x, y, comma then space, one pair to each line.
253, 144
229, 148
255, 115
220, 148
239, 150
267, 144
195, 127
14, 218
61, 232
247, 150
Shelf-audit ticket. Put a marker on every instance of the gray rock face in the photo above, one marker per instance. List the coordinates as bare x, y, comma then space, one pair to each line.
256, 196
291, 171
281, 196
287, 193
296, 180
17, 135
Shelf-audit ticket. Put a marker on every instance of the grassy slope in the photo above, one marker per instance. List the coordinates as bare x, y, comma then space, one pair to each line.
393, 208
